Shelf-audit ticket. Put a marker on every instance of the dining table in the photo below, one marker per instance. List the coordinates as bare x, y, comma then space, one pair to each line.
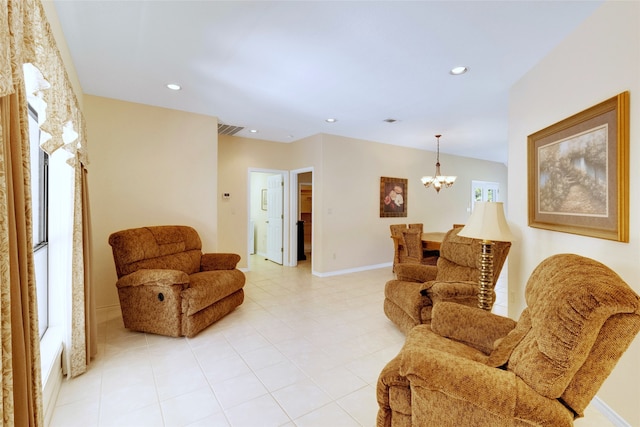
432, 240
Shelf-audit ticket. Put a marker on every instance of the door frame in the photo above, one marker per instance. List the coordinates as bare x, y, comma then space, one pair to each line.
293, 228
285, 210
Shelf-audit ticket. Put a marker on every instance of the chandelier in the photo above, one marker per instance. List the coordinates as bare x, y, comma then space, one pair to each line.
438, 181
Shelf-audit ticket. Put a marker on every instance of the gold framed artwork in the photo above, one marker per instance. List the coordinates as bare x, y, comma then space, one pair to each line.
578, 172
393, 197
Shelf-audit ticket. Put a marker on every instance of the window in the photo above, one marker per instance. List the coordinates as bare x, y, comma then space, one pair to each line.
484, 191
40, 219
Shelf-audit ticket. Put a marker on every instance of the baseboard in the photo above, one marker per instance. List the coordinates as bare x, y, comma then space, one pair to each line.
352, 270
108, 312
609, 413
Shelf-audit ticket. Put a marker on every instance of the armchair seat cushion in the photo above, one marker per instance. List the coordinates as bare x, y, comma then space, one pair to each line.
207, 287
155, 276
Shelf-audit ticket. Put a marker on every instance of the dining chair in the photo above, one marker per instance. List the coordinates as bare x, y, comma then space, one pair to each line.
398, 243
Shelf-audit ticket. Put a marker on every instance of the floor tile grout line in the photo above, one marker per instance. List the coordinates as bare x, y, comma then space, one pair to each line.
208, 384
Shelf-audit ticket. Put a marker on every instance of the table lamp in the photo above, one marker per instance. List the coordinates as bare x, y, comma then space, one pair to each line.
487, 223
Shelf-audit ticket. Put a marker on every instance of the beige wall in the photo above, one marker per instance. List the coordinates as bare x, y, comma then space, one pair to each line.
598, 61
348, 232
236, 156
355, 235
148, 166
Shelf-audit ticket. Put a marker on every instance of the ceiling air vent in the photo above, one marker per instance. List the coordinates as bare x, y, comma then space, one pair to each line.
228, 129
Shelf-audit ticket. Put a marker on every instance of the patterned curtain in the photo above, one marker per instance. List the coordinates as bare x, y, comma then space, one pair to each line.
84, 332
26, 38
21, 402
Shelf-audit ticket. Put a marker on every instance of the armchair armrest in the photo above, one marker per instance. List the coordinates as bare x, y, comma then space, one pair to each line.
219, 261
472, 326
153, 276
467, 381
450, 290
465, 386
416, 272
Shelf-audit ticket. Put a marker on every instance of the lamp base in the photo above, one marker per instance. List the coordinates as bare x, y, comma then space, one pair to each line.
485, 293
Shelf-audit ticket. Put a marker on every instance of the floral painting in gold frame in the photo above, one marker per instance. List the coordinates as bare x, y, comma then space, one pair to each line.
579, 173
393, 197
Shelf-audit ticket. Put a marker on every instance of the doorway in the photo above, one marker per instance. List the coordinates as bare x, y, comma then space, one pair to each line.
302, 214
268, 217
305, 215
258, 207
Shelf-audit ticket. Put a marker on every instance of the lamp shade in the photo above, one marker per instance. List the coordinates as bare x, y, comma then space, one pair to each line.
487, 222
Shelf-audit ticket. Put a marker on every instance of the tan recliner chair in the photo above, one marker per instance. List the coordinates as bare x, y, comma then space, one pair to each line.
410, 297
167, 286
473, 368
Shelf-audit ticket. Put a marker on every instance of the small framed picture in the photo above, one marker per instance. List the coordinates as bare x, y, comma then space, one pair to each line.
393, 197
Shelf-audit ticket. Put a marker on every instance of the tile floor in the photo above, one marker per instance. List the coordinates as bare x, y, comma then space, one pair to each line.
300, 351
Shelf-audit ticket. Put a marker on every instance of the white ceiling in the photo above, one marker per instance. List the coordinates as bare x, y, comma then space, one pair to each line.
283, 67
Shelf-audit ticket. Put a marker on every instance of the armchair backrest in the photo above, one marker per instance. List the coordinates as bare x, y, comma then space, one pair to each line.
174, 247
581, 317
460, 257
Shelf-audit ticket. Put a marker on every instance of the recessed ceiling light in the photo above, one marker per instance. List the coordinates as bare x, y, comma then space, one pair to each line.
331, 120
254, 131
174, 86
456, 71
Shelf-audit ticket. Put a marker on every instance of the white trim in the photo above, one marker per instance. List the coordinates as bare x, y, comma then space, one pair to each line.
353, 270
609, 413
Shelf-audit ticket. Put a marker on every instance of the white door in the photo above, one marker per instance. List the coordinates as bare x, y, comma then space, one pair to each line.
275, 218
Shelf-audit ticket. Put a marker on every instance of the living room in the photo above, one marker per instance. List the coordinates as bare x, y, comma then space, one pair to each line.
566, 82
132, 147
